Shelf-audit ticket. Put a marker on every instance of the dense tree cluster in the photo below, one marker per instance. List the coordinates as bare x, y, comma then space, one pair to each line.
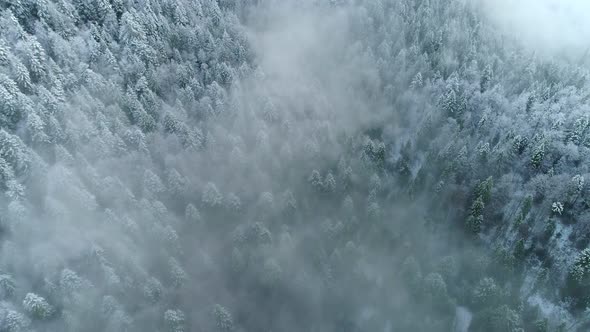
159, 171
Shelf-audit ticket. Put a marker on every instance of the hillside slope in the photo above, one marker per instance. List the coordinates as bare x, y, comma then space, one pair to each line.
216, 165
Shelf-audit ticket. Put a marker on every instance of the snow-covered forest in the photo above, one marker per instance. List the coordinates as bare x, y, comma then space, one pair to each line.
290, 165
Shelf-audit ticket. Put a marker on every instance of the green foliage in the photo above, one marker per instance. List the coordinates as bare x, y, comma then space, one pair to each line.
37, 307
435, 286
315, 179
484, 189
486, 293
486, 78
519, 144
550, 226
498, 319
126, 124
374, 152
581, 268
7, 286
177, 273
541, 325
175, 320
579, 134
578, 280
505, 261
271, 273
192, 214
538, 155
448, 267
477, 206
483, 193
474, 223
526, 205
453, 101
223, 320
519, 250
15, 322
211, 196
519, 220
152, 290
329, 183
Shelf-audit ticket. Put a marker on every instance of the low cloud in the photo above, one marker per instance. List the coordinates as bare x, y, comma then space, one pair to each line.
551, 27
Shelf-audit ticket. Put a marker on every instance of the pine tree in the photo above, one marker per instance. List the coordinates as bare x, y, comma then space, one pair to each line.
175, 320
329, 183
192, 214
152, 290
315, 179
7, 286
486, 78
211, 195
37, 307
538, 155
223, 320
417, 81
15, 322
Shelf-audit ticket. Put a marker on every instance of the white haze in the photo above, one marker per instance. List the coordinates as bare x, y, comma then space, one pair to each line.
551, 27
324, 185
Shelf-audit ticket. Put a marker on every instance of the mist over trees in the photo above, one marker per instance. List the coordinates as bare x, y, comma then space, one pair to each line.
265, 165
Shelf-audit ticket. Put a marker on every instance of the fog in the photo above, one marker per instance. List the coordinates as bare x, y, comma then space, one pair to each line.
550, 27
293, 165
